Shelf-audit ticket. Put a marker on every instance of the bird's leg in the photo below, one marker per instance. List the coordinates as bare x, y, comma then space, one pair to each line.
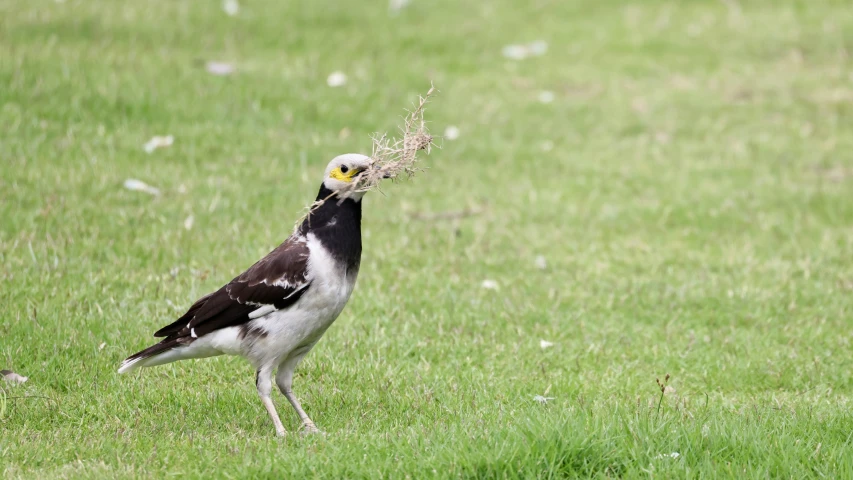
264, 384
307, 424
284, 380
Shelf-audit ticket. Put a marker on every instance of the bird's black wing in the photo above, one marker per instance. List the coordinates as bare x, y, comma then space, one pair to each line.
274, 282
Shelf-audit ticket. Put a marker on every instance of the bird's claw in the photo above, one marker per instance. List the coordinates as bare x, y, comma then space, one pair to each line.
310, 429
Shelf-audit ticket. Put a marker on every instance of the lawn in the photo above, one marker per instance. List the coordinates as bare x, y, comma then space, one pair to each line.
666, 190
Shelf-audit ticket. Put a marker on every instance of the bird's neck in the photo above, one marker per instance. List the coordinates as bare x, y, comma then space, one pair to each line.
337, 225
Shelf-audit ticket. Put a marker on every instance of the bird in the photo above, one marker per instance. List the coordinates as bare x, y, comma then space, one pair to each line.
276, 311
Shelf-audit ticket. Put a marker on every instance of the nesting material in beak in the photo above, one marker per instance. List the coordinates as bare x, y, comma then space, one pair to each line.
392, 157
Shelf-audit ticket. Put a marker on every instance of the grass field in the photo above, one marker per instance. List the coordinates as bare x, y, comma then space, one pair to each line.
690, 189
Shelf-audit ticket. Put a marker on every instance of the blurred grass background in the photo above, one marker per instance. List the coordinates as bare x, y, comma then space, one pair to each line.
689, 189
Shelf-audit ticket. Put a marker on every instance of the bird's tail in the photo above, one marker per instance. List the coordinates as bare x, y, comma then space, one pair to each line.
156, 354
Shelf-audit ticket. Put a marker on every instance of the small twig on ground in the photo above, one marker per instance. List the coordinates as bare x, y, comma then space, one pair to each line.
27, 397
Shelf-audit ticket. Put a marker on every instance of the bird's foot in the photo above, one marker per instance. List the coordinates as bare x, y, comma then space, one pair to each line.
308, 428
280, 432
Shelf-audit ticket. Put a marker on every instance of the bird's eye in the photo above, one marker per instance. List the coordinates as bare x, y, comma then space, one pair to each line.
344, 169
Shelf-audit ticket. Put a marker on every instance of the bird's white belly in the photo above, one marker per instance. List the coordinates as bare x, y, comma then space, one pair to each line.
282, 332
273, 337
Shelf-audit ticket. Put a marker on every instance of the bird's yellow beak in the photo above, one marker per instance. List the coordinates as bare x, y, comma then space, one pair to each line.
348, 177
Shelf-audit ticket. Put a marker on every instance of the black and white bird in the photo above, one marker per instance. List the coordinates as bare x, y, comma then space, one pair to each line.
277, 310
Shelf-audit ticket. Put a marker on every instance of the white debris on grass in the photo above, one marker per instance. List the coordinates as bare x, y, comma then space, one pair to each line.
231, 7
397, 5
158, 142
520, 52
537, 48
540, 262
188, 222
451, 132
515, 52
140, 186
541, 399
546, 96
219, 68
337, 79
543, 344
490, 285
668, 455
13, 377
102, 346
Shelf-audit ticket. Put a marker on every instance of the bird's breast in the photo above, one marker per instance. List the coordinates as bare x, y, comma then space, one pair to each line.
283, 331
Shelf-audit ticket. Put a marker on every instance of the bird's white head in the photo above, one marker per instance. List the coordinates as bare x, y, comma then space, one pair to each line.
343, 170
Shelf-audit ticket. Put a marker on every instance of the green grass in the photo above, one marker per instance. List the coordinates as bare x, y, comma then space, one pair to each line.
691, 188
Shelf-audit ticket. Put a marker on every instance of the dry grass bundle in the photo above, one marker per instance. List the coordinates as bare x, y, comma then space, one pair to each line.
391, 157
